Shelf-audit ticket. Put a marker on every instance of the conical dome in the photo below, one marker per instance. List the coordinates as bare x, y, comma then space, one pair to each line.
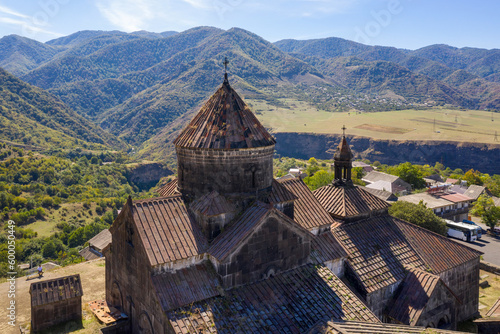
343, 152
224, 122
224, 149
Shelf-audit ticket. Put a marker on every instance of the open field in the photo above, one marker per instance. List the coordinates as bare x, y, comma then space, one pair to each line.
435, 124
68, 212
92, 275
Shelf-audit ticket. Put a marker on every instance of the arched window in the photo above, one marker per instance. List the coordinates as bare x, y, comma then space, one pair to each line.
145, 325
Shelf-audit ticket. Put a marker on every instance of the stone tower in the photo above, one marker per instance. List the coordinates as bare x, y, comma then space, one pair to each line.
342, 161
224, 149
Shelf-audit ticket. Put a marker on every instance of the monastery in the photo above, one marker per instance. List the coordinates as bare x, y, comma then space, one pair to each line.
230, 249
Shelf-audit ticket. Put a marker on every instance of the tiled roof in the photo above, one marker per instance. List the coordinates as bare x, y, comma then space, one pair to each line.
382, 194
88, 254
290, 302
438, 252
212, 204
377, 251
348, 201
328, 247
458, 189
416, 290
55, 290
167, 230
358, 327
280, 194
456, 198
224, 122
496, 200
101, 240
375, 176
238, 231
168, 189
432, 202
308, 212
452, 181
474, 191
386, 185
186, 286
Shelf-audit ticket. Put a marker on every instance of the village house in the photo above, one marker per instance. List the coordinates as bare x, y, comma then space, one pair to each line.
96, 245
387, 182
227, 248
444, 203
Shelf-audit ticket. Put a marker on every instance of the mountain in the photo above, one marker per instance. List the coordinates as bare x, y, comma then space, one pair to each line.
139, 86
32, 116
478, 70
19, 55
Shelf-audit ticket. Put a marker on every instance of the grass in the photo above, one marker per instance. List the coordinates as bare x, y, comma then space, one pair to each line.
488, 296
68, 212
434, 124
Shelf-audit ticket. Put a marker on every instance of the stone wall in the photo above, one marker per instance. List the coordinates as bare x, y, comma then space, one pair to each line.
379, 300
48, 315
128, 277
440, 310
244, 171
463, 280
272, 248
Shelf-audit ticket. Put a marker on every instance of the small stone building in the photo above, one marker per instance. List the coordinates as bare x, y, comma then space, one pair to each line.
55, 301
228, 249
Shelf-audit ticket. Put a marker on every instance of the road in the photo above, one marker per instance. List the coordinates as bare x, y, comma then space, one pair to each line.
488, 244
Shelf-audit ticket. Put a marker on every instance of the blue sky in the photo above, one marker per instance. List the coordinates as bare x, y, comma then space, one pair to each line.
407, 24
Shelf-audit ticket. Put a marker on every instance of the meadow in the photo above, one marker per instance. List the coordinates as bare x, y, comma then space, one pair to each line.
440, 124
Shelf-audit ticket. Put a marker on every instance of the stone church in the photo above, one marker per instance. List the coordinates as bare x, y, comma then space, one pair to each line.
229, 249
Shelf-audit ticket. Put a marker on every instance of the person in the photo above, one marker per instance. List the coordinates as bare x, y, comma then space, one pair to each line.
40, 270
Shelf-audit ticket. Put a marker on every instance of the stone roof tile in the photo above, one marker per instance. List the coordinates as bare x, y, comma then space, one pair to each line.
224, 122
290, 302
167, 230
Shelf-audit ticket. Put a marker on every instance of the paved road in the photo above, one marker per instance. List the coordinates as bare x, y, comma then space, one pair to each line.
488, 244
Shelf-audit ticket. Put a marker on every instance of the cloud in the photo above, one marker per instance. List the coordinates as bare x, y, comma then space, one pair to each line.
12, 12
129, 15
201, 4
27, 28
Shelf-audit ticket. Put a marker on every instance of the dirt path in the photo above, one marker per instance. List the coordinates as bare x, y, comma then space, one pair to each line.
92, 274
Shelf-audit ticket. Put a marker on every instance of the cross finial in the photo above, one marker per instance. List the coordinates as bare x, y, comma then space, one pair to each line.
343, 130
225, 62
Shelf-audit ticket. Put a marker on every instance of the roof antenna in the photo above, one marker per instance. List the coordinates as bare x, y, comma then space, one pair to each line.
226, 62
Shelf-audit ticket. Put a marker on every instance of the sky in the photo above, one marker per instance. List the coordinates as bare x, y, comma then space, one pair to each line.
409, 24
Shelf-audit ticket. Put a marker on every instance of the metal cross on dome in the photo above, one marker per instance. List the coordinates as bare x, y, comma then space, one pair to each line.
226, 62
343, 130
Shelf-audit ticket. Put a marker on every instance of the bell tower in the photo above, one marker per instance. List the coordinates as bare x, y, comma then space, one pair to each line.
342, 162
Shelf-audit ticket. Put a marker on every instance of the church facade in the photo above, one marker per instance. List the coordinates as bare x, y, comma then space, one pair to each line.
227, 248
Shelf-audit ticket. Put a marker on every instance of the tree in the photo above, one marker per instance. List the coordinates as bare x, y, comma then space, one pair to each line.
319, 179
312, 167
49, 250
411, 174
418, 214
473, 177
485, 208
